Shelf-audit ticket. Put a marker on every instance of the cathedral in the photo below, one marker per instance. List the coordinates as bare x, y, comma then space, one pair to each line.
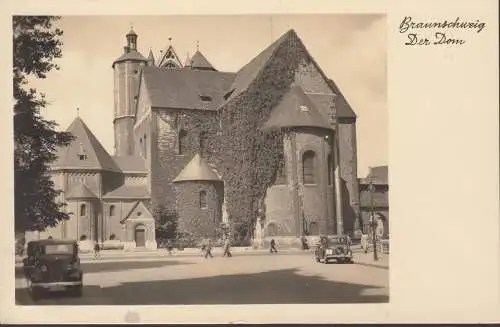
183, 140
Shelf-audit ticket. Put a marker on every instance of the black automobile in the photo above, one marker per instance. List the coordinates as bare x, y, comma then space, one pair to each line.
334, 248
53, 265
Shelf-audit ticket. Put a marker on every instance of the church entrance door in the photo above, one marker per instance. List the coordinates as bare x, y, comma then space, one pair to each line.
140, 236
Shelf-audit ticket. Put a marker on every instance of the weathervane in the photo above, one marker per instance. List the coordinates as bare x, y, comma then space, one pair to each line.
77, 112
197, 45
170, 40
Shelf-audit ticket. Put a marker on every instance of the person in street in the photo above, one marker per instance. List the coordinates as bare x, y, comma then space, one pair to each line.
273, 246
97, 250
170, 247
208, 250
305, 246
227, 248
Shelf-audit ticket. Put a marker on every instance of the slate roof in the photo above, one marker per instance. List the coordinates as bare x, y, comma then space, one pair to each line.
131, 163
80, 191
196, 170
296, 110
344, 109
198, 61
130, 55
128, 192
97, 158
183, 88
378, 175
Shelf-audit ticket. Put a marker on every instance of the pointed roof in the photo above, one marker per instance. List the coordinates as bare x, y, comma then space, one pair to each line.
296, 110
198, 61
187, 64
84, 152
251, 72
80, 191
196, 170
131, 163
138, 210
151, 57
169, 56
248, 73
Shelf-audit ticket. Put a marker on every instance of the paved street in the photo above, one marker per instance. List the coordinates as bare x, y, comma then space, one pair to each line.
243, 279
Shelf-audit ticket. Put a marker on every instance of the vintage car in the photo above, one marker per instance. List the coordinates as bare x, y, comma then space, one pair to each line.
333, 248
53, 265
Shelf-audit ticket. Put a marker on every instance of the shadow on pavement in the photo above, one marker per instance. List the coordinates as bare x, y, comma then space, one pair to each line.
275, 287
118, 266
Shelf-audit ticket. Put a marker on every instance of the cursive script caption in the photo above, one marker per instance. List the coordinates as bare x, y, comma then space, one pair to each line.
437, 33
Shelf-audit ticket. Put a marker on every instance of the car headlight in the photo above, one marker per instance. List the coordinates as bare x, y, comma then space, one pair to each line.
74, 265
43, 268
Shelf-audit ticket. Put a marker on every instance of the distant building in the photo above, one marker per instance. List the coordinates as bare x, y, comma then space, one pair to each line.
378, 176
169, 122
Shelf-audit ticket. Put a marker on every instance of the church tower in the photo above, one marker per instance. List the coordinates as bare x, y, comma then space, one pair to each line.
126, 71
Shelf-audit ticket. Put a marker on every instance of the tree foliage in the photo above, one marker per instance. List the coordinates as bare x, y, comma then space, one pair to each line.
36, 43
166, 222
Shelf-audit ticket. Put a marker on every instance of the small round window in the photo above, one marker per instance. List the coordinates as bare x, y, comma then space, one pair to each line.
139, 213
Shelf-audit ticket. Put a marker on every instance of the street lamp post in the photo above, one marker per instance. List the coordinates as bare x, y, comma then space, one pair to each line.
371, 189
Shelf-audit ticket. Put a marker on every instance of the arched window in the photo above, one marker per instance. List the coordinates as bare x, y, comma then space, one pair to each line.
182, 142
112, 211
272, 229
83, 210
314, 228
330, 169
145, 151
202, 142
308, 167
203, 199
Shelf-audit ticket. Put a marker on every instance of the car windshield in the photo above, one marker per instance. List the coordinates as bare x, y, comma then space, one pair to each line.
336, 240
59, 249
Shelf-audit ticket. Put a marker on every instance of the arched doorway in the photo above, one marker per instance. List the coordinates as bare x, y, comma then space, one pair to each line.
314, 228
140, 236
272, 230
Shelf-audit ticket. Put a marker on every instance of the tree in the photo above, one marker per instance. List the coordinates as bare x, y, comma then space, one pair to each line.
36, 44
166, 222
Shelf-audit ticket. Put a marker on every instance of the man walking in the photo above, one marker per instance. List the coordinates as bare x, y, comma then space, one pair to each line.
208, 250
97, 250
273, 246
227, 248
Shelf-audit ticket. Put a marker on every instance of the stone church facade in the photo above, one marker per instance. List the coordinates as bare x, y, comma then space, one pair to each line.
169, 118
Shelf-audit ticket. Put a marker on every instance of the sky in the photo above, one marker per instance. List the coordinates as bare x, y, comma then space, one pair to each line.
351, 49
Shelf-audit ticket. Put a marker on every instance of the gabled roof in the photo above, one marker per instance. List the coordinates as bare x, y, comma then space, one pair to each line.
249, 74
80, 191
198, 61
128, 192
138, 210
245, 76
169, 55
84, 143
185, 88
196, 170
296, 110
131, 163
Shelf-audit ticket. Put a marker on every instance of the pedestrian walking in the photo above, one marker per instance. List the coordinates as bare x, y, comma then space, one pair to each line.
305, 246
97, 250
170, 247
227, 248
208, 250
272, 248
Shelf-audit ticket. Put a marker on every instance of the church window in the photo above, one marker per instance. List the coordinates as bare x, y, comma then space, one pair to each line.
182, 142
281, 172
145, 146
112, 211
308, 167
203, 141
83, 210
203, 200
330, 168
